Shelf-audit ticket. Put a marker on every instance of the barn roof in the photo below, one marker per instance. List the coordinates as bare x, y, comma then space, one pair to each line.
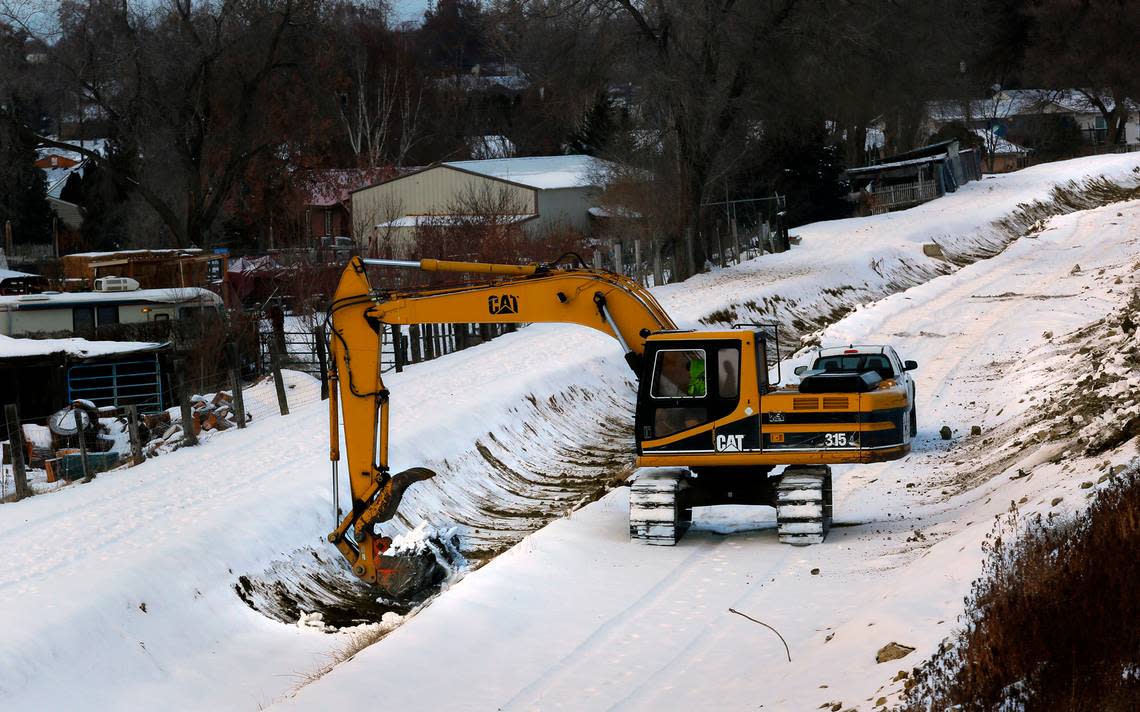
542, 172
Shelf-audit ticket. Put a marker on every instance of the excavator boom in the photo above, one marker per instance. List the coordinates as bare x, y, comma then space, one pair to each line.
607, 302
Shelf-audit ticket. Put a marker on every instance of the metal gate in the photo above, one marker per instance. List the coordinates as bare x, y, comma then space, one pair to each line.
135, 382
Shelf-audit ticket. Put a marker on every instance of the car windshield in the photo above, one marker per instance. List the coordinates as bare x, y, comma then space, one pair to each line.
855, 363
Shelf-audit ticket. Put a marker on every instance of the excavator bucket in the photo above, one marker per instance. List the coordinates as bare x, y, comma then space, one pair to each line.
403, 575
406, 576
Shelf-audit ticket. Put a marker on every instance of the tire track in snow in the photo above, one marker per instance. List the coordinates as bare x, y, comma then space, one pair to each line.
684, 600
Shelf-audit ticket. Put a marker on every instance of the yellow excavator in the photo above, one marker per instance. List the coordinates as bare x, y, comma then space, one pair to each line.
710, 425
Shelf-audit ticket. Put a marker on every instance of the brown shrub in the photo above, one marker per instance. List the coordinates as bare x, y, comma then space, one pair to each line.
1054, 621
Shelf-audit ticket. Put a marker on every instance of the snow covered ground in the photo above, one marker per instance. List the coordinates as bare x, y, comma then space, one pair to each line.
119, 593
576, 617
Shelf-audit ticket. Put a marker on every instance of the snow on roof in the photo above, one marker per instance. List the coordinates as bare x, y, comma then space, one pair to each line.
265, 263
998, 145
542, 172
56, 178
13, 274
451, 220
15, 348
70, 214
172, 295
898, 164
613, 212
98, 145
1016, 102
116, 253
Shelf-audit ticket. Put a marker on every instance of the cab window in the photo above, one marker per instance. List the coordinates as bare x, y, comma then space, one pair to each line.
680, 374
728, 373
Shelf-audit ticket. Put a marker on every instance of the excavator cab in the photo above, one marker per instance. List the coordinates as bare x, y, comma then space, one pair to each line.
701, 392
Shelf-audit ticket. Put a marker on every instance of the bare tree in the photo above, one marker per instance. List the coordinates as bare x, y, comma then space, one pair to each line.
195, 90
1092, 47
377, 92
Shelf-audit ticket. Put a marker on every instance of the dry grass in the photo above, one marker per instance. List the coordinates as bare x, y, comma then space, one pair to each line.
1052, 622
357, 641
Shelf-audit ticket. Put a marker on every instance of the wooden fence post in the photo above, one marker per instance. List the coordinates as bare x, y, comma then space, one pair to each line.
398, 348
235, 383
16, 445
278, 381
133, 431
429, 342
82, 442
322, 361
414, 336
189, 437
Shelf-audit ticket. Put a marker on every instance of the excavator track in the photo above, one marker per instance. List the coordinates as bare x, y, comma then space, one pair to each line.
803, 504
658, 511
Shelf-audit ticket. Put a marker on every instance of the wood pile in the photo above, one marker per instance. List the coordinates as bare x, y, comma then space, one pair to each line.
207, 414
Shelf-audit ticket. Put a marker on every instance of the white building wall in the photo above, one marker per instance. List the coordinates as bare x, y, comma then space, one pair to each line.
563, 208
435, 191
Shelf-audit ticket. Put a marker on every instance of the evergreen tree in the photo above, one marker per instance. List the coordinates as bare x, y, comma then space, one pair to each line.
105, 200
595, 128
23, 190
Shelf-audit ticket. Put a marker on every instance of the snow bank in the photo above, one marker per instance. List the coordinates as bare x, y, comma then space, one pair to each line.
576, 617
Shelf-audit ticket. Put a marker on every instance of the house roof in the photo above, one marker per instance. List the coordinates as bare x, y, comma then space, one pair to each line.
542, 172
57, 177
11, 347
69, 213
329, 187
172, 295
6, 274
999, 145
454, 220
898, 164
1017, 102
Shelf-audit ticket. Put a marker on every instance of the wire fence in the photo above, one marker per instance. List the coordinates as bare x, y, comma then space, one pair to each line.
84, 438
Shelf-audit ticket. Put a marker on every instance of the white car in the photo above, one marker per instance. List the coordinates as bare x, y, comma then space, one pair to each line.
882, 360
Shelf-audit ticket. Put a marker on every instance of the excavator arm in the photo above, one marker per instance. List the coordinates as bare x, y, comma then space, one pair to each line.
514, 294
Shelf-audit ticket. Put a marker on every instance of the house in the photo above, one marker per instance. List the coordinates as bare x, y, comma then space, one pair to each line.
13, 282
59, 164
328, 199
152, 269
1002, 156
535, 196
1012, 113
908, 179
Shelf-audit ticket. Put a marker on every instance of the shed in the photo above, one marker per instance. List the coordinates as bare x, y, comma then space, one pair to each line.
153, 269
43, 375
536, 195
908, 179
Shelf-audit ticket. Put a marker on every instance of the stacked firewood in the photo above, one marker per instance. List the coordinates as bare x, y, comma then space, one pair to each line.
207, 414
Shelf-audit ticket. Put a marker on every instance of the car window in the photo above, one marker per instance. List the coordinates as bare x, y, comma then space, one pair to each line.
856, 363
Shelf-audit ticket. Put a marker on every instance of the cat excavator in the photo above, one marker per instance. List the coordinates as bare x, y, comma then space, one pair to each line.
710, 423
